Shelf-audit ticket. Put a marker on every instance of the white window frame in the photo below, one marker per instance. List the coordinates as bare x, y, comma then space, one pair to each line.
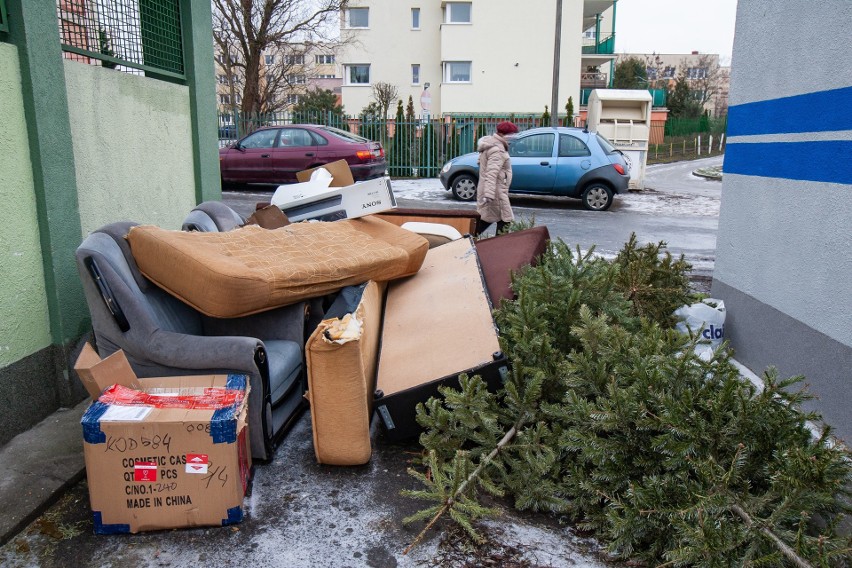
324, 59
295, 59
296, 79
415, 73
448, 77
415, 18
448, 13
349, 18
269, 59
347, 75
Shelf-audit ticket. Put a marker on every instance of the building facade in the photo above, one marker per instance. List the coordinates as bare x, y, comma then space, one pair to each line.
482, 56
702, 71
784, 246
286, 74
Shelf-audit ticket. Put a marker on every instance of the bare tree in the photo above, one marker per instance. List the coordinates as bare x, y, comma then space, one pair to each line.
384, 94
246, 31
705, 77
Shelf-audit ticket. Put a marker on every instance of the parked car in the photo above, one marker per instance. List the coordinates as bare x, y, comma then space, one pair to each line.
273, 154
561, 161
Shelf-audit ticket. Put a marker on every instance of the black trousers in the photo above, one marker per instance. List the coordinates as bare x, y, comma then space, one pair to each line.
481, 226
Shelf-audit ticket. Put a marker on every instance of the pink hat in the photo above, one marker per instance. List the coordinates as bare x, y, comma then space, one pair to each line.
506, 127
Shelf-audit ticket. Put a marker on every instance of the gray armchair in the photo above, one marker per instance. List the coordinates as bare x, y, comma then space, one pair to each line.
212, 217
162, 336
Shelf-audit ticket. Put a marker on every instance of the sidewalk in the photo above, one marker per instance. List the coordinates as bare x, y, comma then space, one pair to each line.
299, 513
37, 466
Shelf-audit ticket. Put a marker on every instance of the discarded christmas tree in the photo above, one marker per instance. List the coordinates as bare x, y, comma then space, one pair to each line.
610, 418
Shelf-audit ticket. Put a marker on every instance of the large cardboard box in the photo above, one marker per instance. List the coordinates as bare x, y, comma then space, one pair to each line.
323, 198
164, 452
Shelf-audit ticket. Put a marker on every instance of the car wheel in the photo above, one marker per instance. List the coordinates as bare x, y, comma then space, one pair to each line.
464, 187
597, 197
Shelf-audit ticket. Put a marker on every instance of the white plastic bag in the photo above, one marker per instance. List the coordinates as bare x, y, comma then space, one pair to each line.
706, 318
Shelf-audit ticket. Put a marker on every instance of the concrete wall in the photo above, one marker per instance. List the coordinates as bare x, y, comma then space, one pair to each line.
24, 326
784, 247
139, 167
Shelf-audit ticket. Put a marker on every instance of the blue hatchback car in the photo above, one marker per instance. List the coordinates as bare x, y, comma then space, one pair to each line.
570, 162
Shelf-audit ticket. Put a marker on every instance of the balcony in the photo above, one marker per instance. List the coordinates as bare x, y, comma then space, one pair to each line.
603, 44
593, 81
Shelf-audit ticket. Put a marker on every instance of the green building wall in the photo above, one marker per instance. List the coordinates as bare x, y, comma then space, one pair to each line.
83, 146
24, 326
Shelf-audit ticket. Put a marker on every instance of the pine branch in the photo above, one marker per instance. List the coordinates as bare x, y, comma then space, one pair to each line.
783, 547
461, 489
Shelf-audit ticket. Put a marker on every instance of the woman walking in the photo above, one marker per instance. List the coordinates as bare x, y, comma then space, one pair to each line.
495, 177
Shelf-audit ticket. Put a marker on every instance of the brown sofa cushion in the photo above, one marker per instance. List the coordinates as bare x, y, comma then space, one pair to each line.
250, 269
341, 381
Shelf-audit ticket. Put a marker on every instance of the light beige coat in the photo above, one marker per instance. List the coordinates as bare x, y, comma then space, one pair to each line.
495, 177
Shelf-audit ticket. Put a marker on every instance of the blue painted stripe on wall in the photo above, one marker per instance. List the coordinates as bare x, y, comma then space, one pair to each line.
824, 111
811, 161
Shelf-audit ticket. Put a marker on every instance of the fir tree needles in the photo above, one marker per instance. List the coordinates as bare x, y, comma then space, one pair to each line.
611, 418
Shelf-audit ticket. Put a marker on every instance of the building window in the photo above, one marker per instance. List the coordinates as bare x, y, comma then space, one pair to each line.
651, 72
696, 73
295, 79
457, 13
223, 79
669, 72
415, 74
224, 99
292, 99
326, 77
358, 18
294, 60
457, 72
269, 59
357, 74
415, 18
325, 59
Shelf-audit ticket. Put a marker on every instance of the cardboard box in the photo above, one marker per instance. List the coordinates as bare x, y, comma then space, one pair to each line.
334, 203
320, 198
341, 175
165, 452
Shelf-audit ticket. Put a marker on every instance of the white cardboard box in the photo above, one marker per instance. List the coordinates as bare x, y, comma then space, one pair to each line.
315, 200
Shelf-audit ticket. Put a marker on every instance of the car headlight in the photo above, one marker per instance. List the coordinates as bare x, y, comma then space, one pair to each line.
446, 167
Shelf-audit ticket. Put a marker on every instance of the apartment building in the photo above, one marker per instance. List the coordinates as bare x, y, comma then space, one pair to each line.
287, 72
703, 72
481, 56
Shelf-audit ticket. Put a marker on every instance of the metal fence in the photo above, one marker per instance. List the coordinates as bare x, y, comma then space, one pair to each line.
4, 23
419, 148
135, 36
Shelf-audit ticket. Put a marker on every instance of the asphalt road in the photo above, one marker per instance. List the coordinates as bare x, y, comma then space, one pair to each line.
675, 206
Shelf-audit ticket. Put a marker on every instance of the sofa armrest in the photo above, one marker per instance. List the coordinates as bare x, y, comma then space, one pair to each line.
287, 322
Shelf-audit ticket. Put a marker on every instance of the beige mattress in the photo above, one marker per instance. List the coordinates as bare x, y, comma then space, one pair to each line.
250, 269
341, 364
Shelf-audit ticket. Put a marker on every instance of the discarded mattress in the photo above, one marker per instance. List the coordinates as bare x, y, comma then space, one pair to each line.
250, 269
341, 357
509, 253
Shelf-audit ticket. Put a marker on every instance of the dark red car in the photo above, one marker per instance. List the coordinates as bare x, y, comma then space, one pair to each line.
274, 154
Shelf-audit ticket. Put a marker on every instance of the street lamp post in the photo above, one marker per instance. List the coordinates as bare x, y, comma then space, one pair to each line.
554, 101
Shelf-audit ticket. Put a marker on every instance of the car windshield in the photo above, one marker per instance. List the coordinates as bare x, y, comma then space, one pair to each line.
344, 135
606, 145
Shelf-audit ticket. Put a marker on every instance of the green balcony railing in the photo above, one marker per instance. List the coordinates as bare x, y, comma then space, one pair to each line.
658, 96
603, 44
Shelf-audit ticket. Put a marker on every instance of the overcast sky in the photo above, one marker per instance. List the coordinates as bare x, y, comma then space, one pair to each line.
675, 26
